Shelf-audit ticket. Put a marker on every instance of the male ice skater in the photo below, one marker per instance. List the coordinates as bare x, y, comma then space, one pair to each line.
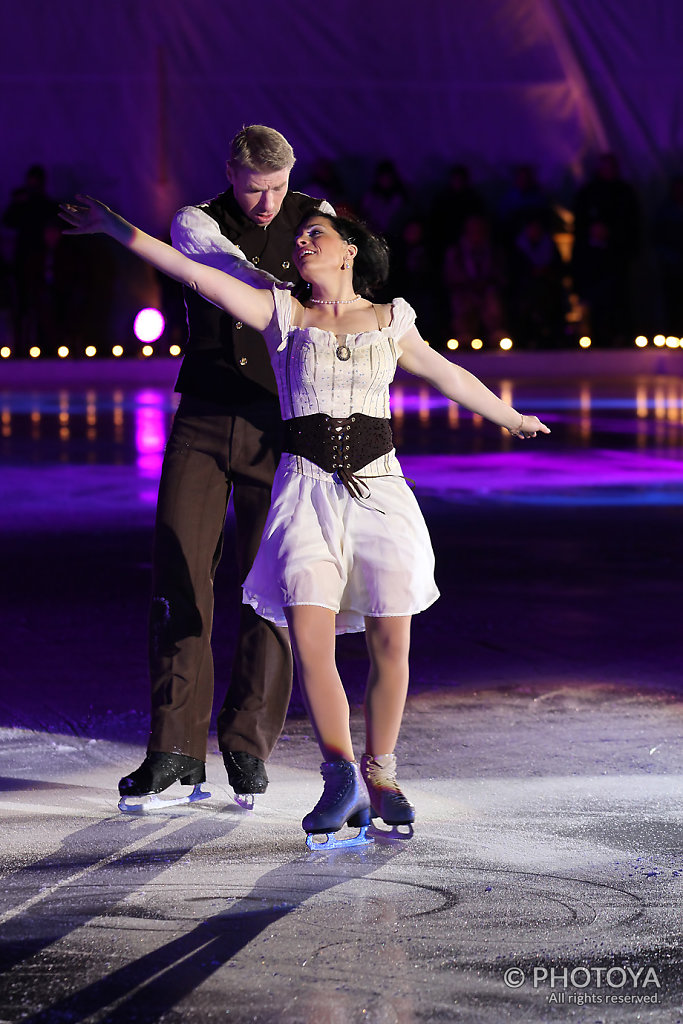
225, 441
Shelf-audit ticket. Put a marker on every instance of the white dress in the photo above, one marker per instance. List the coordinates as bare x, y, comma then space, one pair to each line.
320, 545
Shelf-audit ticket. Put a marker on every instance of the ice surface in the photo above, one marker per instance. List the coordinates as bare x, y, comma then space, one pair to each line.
548, 835
542, 745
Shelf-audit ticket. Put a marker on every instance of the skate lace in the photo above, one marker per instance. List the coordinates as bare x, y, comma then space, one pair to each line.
382, 776
337, 783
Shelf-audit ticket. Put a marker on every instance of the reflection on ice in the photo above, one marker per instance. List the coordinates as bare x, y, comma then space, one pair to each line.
614, 440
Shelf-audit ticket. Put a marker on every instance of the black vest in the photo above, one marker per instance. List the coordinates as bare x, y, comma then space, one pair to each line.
225, 361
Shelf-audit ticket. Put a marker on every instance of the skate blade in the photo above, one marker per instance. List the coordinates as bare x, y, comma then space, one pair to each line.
330, 842
393, 833
154, 802
244, 800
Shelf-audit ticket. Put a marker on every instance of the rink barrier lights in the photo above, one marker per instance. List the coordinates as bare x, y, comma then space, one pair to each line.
146, 350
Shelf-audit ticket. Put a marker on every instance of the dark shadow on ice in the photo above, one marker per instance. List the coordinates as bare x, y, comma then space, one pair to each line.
148, 988
14, 785
106, 872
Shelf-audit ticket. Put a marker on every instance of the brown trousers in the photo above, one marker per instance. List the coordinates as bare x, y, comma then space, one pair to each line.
210, 455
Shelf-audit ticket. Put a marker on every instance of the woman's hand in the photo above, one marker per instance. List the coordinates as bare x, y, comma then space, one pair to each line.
529, 427
87, 216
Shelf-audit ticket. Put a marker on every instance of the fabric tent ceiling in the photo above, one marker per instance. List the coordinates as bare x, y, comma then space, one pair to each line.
135, 101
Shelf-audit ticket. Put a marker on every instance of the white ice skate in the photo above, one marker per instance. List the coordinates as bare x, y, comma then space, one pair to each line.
388, 802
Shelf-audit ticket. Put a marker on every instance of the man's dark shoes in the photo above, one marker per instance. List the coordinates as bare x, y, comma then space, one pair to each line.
158, 772
246, 773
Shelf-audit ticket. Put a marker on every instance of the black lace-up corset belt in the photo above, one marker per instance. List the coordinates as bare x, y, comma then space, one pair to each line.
339, 445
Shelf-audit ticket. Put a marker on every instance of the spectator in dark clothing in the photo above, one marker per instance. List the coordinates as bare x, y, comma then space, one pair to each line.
29, 214
598, 273
523, 202
607, 237
452, 206
668, 242
610, 199
414, 278
537, 293
475, 277
325, 180
386, 203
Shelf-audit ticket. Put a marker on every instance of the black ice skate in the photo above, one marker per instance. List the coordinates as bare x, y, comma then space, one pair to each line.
386, 798
158, 772
344, 801
247, 776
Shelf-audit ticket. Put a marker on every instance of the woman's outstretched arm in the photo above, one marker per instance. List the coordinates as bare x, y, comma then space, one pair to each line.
463, 387
253, 305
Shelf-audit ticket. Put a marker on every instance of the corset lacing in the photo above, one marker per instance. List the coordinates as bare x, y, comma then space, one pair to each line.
340, 445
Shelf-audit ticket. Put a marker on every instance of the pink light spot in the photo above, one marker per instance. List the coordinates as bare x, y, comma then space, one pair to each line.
149, 324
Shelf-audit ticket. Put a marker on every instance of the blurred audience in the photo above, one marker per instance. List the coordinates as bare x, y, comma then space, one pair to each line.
452, 206
470, 266
32, 215
386, 203
607, 239
475, 277
523, 202
537, 294
668, 243
325, 180
600, 282
413, 277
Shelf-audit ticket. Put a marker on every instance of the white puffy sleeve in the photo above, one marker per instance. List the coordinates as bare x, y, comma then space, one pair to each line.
402, 319
197, 235
277, 330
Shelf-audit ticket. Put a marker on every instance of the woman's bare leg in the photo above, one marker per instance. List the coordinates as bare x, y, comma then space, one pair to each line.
312, 635
388, 642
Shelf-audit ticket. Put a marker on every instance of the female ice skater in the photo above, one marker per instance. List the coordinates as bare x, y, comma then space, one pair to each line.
345, 547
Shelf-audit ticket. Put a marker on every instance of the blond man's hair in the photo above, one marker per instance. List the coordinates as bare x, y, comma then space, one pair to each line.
258, 148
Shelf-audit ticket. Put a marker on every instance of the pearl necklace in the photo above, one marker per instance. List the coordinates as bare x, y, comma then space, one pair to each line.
334, 302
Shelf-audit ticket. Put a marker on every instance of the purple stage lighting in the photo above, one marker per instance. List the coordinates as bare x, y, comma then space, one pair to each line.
149, 324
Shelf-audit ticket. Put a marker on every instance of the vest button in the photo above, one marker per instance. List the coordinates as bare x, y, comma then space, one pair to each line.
285, 264
238, 325
255, 261
243, 361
